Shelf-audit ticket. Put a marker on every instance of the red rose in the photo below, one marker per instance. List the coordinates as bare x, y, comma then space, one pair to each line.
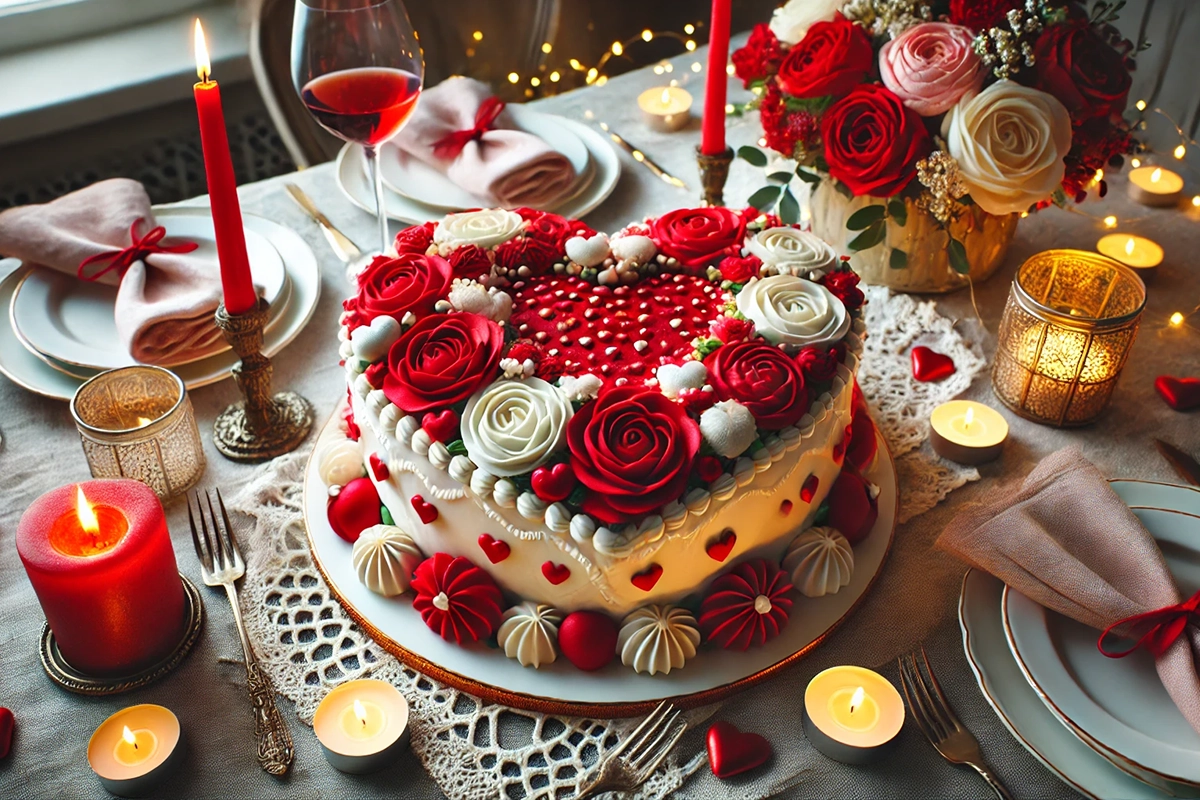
817, 364
1082, 70
470, 262
979, 15
759, 59
415, 239
552, 228
831, 59
844, 286
441, 361
731, 329
763, 379
527, 251
633, 448
396, 286
697, 237
740, 270
873, 141
786, 131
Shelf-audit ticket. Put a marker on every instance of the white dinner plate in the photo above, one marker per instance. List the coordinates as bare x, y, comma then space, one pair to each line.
72, 320
416, 180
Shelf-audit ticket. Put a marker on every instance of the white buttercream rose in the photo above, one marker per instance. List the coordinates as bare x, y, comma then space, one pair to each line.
485, 229
513, 426
788, 250
793, 311
1009, 141
792, 20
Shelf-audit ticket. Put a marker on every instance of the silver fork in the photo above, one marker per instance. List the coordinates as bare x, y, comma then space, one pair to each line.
940, 724
221, 564
635, 759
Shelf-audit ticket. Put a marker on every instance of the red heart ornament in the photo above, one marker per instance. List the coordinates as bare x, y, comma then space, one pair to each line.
720, 548
354, 509
555, 573
7, 725
378, 468
731, 751
495, 549
930, 365
809, 490
1181, 394
440, 426
426, 511
646, 579
785, 507
553, 483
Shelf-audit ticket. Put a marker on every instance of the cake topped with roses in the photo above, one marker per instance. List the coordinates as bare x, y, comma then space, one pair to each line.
587, 431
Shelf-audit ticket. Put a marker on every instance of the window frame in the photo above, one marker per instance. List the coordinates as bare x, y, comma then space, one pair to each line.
40, 22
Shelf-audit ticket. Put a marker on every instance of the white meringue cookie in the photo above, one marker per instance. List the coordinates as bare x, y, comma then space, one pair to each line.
340, 461
820, 561
529, 634
656, 639
384, 558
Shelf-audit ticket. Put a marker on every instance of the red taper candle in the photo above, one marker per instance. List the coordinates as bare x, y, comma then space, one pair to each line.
712, 132
236, 281
101, 563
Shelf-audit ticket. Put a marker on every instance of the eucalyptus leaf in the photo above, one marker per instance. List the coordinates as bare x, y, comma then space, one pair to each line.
780, 177
811, 178
753, 155
869, 238
865, 217
898, 259
843, 190
967, 200
789, 208
958, 257
898, 211
765, 198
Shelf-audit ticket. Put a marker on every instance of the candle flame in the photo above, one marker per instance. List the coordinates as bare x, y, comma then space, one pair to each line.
360, 712
1129, 247
969, 418
857, 699
666, 97
203, 65
128, 736
87, 517
1156, 176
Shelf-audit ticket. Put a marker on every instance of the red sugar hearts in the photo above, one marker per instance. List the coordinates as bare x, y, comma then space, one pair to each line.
440, 426
720, 548
378, 468
1181, 394
426, 511
556, 573
495, 549
929, 365
730, 751
646, 579
553, 483
809, 490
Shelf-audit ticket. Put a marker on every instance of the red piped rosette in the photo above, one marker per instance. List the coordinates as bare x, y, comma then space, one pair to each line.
734, 617
472, 601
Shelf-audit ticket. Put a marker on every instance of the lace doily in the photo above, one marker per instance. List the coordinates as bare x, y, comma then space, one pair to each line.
477, 750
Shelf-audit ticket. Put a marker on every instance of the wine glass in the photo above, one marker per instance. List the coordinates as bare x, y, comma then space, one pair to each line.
358, 67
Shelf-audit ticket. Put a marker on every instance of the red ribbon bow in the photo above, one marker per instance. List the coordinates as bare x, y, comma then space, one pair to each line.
1159, 629
451, 145
140, 247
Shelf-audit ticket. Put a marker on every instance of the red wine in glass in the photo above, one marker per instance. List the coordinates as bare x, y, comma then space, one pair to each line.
368, 105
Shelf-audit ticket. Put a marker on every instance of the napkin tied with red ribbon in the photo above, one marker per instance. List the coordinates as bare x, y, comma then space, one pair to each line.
1065, 540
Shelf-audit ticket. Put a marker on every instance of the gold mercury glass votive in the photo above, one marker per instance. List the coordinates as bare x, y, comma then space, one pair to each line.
137, 422
1070, 320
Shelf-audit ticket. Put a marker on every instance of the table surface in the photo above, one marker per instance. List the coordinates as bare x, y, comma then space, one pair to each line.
913, 603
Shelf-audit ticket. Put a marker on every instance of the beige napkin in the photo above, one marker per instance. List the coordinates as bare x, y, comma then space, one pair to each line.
502, 166
165, 304
1066, 541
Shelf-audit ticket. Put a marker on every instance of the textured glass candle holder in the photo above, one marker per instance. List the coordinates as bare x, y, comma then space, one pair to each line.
137, 422
1070, 321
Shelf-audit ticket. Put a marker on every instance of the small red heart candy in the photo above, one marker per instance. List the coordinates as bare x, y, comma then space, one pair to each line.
588, 639
720, 548
440, 426
646, 579
378, 468
495, 549
354, 509
785, 507
555, 573
929, 365
809, 490
7, 725
709, 468
731, 751
1181, 394
553, 483
839, 449
426, 511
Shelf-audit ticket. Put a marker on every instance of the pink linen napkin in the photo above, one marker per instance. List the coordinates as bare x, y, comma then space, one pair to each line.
501, 166
1066, 541
165, 303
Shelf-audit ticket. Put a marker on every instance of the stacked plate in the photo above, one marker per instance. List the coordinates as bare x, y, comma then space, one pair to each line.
1105, 726
416, 192
62, 331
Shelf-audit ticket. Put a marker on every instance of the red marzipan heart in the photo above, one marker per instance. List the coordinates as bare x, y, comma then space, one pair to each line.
495, 549
785, 507
7, 725
930, 365
646, 579
440, 426
1181, 394
555, 573
553, 483
378, 468
426, 511
731, 751
719, 549
809, 490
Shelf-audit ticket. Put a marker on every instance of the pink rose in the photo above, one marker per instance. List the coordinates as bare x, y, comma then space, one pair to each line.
930, 66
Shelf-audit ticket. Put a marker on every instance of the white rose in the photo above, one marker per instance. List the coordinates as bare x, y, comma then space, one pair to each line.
792, 20
485, 229
466, 295
793, 311
788, 250
1009, 141
511, 427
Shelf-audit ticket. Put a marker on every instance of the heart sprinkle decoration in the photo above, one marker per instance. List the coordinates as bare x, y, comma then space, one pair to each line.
929, 366
646, 579
555, 573
495, 549
720, 548
426, 511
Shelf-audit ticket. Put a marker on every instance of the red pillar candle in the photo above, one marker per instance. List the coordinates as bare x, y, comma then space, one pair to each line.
236, 282
712, 132
100, 560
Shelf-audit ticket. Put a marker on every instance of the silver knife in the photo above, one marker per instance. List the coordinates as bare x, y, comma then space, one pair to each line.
1186, 466
641, 157
345, 249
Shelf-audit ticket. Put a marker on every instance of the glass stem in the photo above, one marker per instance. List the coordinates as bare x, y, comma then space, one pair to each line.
372, 156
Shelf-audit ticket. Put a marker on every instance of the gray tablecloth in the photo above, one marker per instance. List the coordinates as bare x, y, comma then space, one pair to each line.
913, 602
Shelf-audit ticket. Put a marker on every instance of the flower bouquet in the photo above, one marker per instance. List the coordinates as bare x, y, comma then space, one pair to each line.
926, 128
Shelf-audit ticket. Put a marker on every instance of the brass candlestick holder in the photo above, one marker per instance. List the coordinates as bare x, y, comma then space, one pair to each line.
714, 171
262, 425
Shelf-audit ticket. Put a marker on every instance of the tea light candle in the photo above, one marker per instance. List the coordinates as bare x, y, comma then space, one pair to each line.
665, 108
967, 432
1155, 186
134, 749
1138, 252
852, 714
362, 725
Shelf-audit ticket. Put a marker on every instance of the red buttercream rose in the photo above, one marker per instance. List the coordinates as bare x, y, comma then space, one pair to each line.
697, 237
1082, 70
633, 449
873, 141
528, 251
552, 229
731, 329
759, 58
843, 285
470, 262
831, 59
763, 379
441, 361
818, 364
396, 286
979, 15
415, 239
740, 270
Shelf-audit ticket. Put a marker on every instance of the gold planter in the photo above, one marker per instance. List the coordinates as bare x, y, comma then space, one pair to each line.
924, 243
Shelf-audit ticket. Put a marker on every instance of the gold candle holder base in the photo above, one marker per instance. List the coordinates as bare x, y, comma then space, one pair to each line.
261, 426
714, 171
